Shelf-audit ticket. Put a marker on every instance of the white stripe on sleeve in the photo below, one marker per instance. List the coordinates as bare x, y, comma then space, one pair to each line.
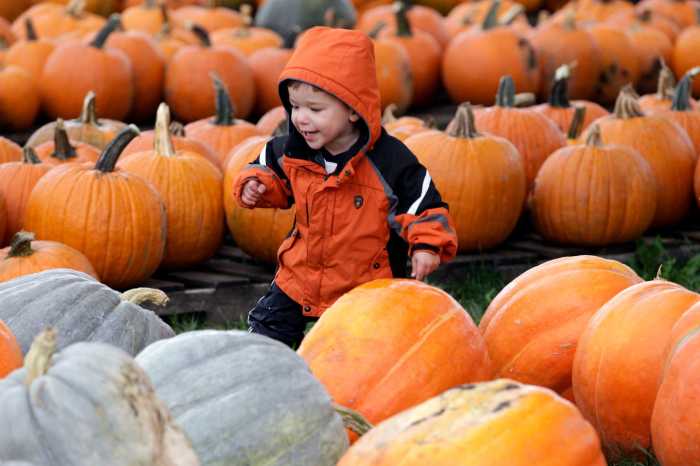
263, 156
424, 190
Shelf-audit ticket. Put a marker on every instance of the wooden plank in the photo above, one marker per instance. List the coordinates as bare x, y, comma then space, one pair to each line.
207, 279
164, 285
232, 252
547, 250
254, 273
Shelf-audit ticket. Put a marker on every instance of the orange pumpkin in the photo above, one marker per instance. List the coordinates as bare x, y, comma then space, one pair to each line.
657, 21
662, 98
683, 12
208, 16
664, 145
684, 111
487, 199
12, 9
116, 219
190, 187
267, 65
615, 379
31, 53
394, 76
245, 224
19, 98
686, 52
533, 134
687, 322
419, 17
188, 89
560, 110
271, 120
404, 127
170, 38
380, 363
17, 179
52, 20
468, 15
60, 150
25, 256
532, 327
10, 353
245, 38
652, 47
675, 421
74, 69
493, 50
594, 195
146, 17
87, 128
9, 151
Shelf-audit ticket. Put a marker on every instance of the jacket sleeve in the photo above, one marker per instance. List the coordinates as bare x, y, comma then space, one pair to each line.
423, 217
267, 170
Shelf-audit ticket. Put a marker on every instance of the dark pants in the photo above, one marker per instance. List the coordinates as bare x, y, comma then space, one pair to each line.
277, 316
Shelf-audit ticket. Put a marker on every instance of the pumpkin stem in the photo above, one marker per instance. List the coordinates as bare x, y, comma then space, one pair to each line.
627, 105
165, 29
374, 32
162, 143
403, 26
644, 16
505, 97
89, 115
559, 96
491, 18
21, 244
524, 99
110, 154
353, 420
666, 83
150, 4
681, 98
200, 32
569, 22
75, 8
576, 125
177, 129
542, 17
62, 150
29, 28
139, 296
225, 110
38, 359
594, 138
247, 13
29, 156
511, 15
113, 23
463, 124
389, 116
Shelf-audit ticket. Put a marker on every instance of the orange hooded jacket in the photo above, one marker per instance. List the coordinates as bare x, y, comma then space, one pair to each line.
360, 222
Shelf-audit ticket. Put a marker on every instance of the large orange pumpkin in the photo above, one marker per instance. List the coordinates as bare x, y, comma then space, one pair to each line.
245, 225
486, 424
74, 69
271, 120
533, 325
25, 256
10, 352
675, 421
664, 145
267, 65
192, 193
533, 134
593, 194
116, 219
487, 198
615, 378
384, 346
17, 179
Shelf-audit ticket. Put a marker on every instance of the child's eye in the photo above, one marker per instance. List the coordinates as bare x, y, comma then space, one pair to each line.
315, 109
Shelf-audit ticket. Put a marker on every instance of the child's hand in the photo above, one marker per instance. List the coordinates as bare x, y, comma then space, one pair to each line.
423, 264
252, 192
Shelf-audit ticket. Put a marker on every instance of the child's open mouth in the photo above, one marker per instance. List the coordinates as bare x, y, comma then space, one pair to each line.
307, 134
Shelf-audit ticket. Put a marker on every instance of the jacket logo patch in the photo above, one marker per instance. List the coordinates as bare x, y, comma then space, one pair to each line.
359, 201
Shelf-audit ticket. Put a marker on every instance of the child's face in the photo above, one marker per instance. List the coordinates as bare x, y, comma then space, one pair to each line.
322, 119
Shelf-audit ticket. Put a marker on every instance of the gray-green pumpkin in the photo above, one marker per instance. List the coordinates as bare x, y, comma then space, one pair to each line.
245, 399
80, 309
87, 405
290, 17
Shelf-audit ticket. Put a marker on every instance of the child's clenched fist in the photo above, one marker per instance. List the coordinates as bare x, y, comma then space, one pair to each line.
252, 192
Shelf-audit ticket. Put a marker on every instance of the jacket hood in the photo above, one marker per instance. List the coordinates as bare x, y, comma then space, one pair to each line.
341, 62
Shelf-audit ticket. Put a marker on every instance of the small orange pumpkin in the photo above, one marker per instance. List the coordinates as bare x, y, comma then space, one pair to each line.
10, 352
61, 150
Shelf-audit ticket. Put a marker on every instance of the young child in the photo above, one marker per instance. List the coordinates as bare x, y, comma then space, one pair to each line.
363, 201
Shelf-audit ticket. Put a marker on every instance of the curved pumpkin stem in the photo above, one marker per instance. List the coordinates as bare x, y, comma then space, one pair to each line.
21, 244
113, 23
463, 124
63, 150
110, 154
666, 83
30, 30
374, 32
403, 26
166, 28
162, 143
389, 116
559, 96
88, 115
576, 125
491, 18
511, 15
200, 32
75, 8
352, 420
524, 99
594, 138
225, 110
505, 97
681, 97
29, 156
627, 105
145, 295
38, 359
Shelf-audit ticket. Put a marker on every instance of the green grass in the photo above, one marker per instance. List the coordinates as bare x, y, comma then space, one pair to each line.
652, 258
181, 323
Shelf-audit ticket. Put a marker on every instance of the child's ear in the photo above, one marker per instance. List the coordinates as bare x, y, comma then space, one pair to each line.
354, 117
